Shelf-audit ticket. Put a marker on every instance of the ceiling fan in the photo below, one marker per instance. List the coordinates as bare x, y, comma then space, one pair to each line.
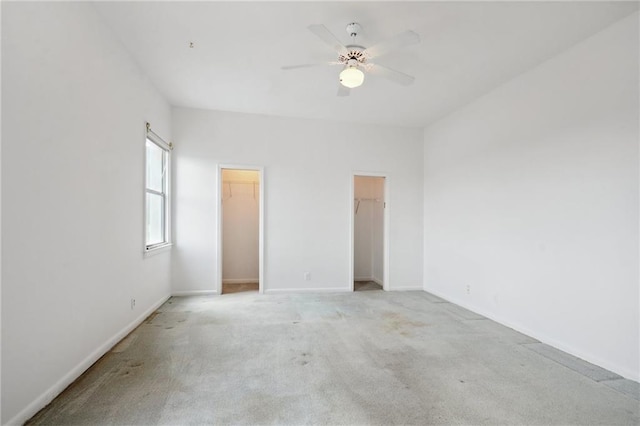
355, 59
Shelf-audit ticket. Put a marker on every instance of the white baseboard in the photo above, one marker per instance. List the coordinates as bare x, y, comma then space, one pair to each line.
55, 390
406, 288
308, 290
624, 372
240, 281
194, 293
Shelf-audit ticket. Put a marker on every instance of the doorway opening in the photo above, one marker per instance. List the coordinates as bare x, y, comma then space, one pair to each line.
240, 230
369, 248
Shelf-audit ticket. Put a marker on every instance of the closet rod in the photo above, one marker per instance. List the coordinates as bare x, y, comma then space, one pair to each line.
241, 182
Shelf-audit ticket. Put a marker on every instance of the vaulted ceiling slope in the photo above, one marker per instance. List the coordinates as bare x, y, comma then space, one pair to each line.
466, 49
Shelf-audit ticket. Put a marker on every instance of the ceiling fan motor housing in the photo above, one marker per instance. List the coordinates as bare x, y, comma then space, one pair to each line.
353, 29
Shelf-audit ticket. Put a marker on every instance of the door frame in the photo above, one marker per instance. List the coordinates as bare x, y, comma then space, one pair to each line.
260, 170
385, 231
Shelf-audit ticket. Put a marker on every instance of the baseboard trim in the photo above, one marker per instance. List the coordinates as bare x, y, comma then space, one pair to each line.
308, 290
46, 397
240, 281
193, 293
406, 288
624, 372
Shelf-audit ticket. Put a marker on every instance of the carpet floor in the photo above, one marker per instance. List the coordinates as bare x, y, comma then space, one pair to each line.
362, 358
366, 286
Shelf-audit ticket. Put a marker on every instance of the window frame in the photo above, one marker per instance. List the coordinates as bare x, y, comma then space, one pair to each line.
166, 193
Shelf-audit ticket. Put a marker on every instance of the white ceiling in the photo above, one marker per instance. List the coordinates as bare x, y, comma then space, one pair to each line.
467, 49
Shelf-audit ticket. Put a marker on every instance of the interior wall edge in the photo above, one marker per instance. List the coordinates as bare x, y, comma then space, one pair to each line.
624, 372
48, 396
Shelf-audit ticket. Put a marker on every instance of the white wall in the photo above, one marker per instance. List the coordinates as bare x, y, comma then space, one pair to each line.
368, 225
240, 225
531, 199
309, 166
74, 107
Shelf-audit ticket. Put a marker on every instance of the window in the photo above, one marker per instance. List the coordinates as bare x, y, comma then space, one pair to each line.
157, 201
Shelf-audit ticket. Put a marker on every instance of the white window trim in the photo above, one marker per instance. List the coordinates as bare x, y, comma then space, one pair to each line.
164, 246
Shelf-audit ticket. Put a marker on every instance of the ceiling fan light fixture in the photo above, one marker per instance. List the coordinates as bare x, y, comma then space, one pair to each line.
351, 77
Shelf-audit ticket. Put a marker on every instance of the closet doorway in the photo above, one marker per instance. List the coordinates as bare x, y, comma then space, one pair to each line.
240, 222
370, 251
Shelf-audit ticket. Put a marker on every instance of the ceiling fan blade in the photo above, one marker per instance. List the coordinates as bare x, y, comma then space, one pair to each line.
398, 41
343, 91
393, 75
293, 67
325, 35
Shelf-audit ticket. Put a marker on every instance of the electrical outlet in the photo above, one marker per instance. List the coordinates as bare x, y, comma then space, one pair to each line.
307, 276
468, 289
133, 303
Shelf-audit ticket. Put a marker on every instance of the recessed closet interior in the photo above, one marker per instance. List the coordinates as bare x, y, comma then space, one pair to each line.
240, 230
368, 238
